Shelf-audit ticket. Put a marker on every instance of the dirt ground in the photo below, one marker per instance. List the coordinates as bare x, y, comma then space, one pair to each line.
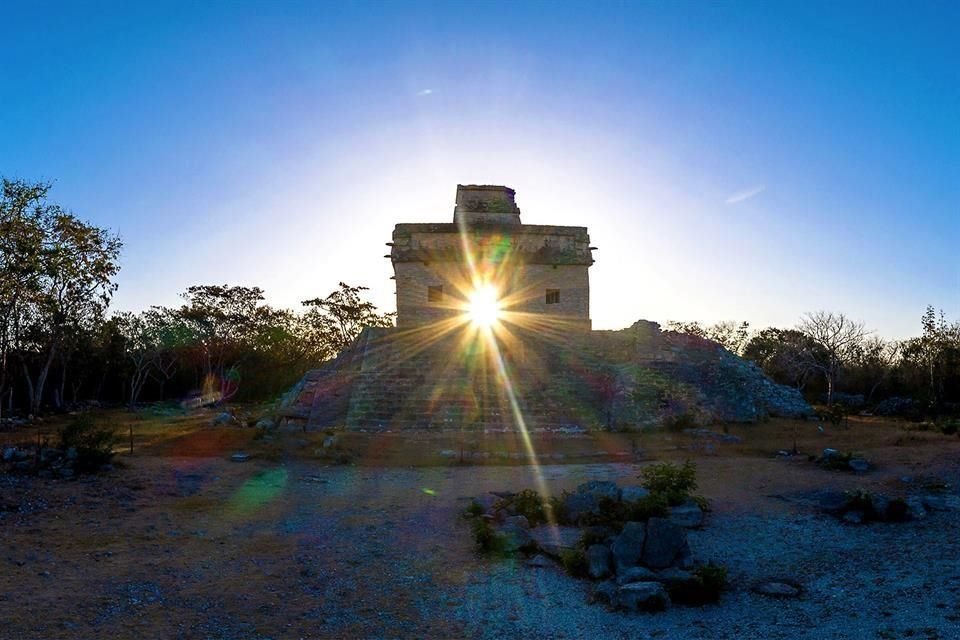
362, 539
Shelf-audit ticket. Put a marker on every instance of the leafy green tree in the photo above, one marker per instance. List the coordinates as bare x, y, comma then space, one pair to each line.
331, 324
57, 279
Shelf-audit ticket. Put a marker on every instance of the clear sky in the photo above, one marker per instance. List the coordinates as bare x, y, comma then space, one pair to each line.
732, 161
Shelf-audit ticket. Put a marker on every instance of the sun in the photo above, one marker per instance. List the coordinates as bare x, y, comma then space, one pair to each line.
483, 307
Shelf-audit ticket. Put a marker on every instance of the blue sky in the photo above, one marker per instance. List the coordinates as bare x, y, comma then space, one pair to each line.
732, 161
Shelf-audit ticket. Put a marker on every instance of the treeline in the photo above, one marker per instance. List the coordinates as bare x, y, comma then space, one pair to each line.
59, 346
833, 359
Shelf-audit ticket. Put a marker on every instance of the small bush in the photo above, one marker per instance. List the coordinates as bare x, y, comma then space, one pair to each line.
714, 577
486, 537
558, 508
574, 562
94, 445
839, 462
897, 510
528, 503
860, 500
475, 510
705, 587
675, 483
949, 427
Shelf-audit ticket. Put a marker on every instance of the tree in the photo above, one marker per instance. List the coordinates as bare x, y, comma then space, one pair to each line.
729, 334
838, 339
784, 355
334, 322
56, 281
875, 360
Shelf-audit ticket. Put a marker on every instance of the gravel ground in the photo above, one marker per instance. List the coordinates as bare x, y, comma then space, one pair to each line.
213, 549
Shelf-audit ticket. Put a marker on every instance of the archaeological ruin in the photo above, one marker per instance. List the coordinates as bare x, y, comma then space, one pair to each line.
493, 332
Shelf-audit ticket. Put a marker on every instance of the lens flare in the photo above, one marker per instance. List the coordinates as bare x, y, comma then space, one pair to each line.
484, 307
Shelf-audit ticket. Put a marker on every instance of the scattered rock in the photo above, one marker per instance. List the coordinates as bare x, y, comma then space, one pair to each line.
633, 494
446, 453
829, 453
853, 517
688, 515
515, 533
552, 539
331, 441
240, 457
598, 561
224, 418
636, 574
539, 561
915, 508
606, 592
266, 423
666, 543
673, 577
642, 596
859, 465
8, 453
777, 588
941, 502
627, 548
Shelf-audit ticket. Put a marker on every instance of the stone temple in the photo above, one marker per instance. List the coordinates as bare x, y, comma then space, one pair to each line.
494, 333
536, 269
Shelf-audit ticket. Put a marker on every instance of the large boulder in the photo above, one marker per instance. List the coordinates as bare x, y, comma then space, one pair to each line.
688, 515
515, 531
627, 547
633, 494
553, 539
586, 499
666, 543
598, 561
637, 574
642, 596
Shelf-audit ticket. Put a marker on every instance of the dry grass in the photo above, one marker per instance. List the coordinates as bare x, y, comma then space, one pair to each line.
223, 542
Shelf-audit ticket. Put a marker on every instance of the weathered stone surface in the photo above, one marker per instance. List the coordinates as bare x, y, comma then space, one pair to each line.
915, 508
633, 494
941, 502
673, 577
224, 418
552, 539
600, 489
606, 592
642, 596
540, 561
688, 515
853, 517
858, 465
665, 543
580, 504
776, 588
627, 547
636, 574
515, 531
598, 561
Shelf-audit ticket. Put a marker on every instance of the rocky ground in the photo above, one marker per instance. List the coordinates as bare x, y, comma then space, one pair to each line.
183, 543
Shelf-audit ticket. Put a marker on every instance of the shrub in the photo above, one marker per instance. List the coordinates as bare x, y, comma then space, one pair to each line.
714, 577
529, 503
94, 445
860, 500
475, 510
558, 507
949, 427
486, 537
675, 483
574, 562
705, 587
